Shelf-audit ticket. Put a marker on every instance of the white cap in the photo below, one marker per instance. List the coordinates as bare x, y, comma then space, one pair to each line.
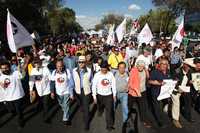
81, 58
189, 61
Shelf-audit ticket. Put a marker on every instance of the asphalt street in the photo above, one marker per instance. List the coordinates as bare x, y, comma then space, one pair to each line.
35, 124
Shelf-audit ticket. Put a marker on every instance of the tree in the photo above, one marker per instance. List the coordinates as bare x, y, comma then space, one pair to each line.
195, 27
98, 27
39, 15
62, 20
160, 20
113, 18
179, 6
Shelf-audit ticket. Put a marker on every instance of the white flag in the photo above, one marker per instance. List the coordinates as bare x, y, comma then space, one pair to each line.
17, 35
111, 35
178, 36
121, 31
145, 36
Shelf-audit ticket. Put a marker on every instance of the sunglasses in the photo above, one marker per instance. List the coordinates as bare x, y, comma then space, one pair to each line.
81, 62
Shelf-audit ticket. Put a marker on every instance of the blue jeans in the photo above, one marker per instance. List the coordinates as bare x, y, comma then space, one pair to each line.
123, 99
64, 103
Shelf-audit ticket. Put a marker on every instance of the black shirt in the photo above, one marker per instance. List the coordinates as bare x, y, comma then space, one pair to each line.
159, 76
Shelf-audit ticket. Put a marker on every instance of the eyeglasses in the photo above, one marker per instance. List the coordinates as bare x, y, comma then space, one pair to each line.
164, 63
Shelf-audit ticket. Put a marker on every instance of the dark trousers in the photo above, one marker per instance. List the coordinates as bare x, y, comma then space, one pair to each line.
15, 107
43, 104
108, 103
142, 106
186, 105
84, 102
157, 110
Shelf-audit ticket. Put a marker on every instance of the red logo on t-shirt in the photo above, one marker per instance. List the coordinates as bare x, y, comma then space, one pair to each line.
60, 80
105, 82
6, 82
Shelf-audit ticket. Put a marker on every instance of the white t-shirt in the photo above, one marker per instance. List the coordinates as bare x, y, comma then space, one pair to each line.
62, 85
131, 52
104, 84
147, 60
13, 88
41, 79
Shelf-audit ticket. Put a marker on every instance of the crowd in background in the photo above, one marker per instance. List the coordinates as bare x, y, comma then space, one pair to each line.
88, 71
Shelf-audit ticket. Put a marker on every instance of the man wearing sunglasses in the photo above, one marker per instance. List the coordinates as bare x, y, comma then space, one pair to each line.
82, 79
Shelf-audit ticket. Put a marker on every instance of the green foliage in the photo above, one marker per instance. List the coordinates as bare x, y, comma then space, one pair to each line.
195, 27
63, 20
113, 18
44, 16
160, 20
179, 6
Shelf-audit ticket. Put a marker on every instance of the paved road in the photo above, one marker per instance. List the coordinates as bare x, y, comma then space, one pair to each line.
34, 123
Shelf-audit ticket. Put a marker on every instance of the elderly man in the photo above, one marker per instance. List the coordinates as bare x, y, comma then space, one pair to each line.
82, 78
196, 83
62, 82
156, 81
183, 76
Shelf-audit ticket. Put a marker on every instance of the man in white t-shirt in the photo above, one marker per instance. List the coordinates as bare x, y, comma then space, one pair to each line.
62, 86
11, 91
40, 77
104, 93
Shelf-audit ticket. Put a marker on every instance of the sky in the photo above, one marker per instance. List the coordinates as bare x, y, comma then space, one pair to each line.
90, 12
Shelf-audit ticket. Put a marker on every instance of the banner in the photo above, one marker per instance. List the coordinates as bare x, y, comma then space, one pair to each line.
121, 31
111, 35
178, 36
145, 36
17, 35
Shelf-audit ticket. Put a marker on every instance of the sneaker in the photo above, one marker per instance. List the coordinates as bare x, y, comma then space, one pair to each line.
177, 124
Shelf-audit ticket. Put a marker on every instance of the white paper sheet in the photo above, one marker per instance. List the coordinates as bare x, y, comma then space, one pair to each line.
196, 81
166, 89
184, 88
